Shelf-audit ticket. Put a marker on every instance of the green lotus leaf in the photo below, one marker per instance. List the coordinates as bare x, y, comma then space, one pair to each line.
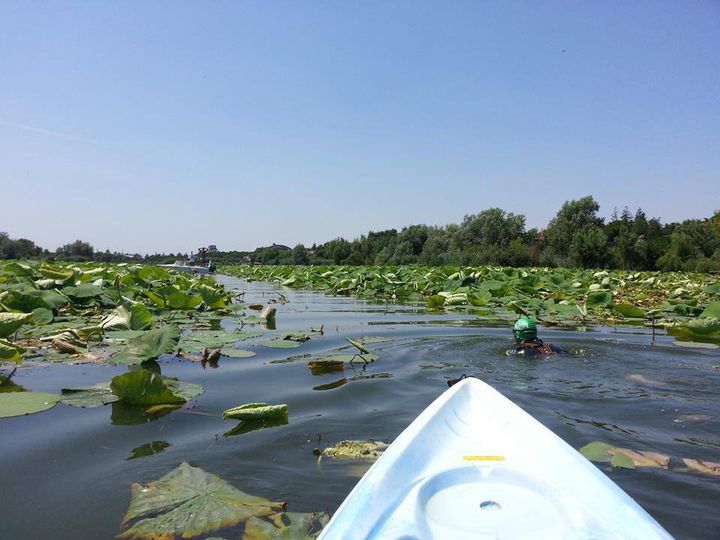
597, 451
237, 353
213, 298
143, 387
599, 299
621, 461
21, 403
712, 311
10, 352
180, 300
150, 344
255, 411
189, 502
24, 302
135, 316
93, 396
11, 322
629, 310
41, 316
83, 292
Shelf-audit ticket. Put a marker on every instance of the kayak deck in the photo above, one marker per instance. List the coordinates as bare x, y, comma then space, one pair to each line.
474, 465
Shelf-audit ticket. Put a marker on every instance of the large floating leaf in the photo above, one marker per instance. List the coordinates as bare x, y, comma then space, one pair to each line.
255, 411
143, 387
93, 396
628, 310
189, 502
20, 403
11, 322
705, 467
237, 353
288, 525
281, 344
149, 345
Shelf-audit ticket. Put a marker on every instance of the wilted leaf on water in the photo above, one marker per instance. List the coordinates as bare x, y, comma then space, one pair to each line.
237, 353
288, 525
149, 344
641, 458
93, 396
255, 411
188, 502
246, 426
597, 451
331, 386
325, 366
629, 310
11, 322
10, 352
704, 467
143, 387
20, 403
148, 449
162, 409
356, 450
7, 385
281, 344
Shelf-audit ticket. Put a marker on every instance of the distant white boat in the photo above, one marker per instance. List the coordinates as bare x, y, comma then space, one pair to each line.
183, 267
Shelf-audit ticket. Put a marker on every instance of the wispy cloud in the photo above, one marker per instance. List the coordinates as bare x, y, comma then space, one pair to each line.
43, 131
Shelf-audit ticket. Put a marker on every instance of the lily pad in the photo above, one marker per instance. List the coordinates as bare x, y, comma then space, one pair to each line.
93, 396
597, 451
20, 403
188, 502
255, 411
281, 344
356, 450
237, 353
629, 310
288, 525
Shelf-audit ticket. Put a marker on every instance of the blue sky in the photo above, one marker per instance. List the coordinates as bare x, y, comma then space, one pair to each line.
162, 126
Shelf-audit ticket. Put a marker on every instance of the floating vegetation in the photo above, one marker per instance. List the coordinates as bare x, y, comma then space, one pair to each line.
255, 411
189, 502
148, 449
21, 403
552, 295
356, 450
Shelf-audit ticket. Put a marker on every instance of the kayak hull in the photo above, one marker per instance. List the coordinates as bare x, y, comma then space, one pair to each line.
474, 465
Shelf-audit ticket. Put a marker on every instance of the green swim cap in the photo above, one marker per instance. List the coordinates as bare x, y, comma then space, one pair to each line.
525, 328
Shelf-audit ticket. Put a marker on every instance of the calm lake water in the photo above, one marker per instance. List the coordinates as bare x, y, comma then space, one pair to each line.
65, 473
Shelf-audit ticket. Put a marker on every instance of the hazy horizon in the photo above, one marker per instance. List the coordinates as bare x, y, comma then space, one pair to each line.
161, 127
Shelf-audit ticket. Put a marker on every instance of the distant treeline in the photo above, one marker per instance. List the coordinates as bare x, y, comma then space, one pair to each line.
576, 237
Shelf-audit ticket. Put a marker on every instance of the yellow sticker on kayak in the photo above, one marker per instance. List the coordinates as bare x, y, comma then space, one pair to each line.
484, 458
